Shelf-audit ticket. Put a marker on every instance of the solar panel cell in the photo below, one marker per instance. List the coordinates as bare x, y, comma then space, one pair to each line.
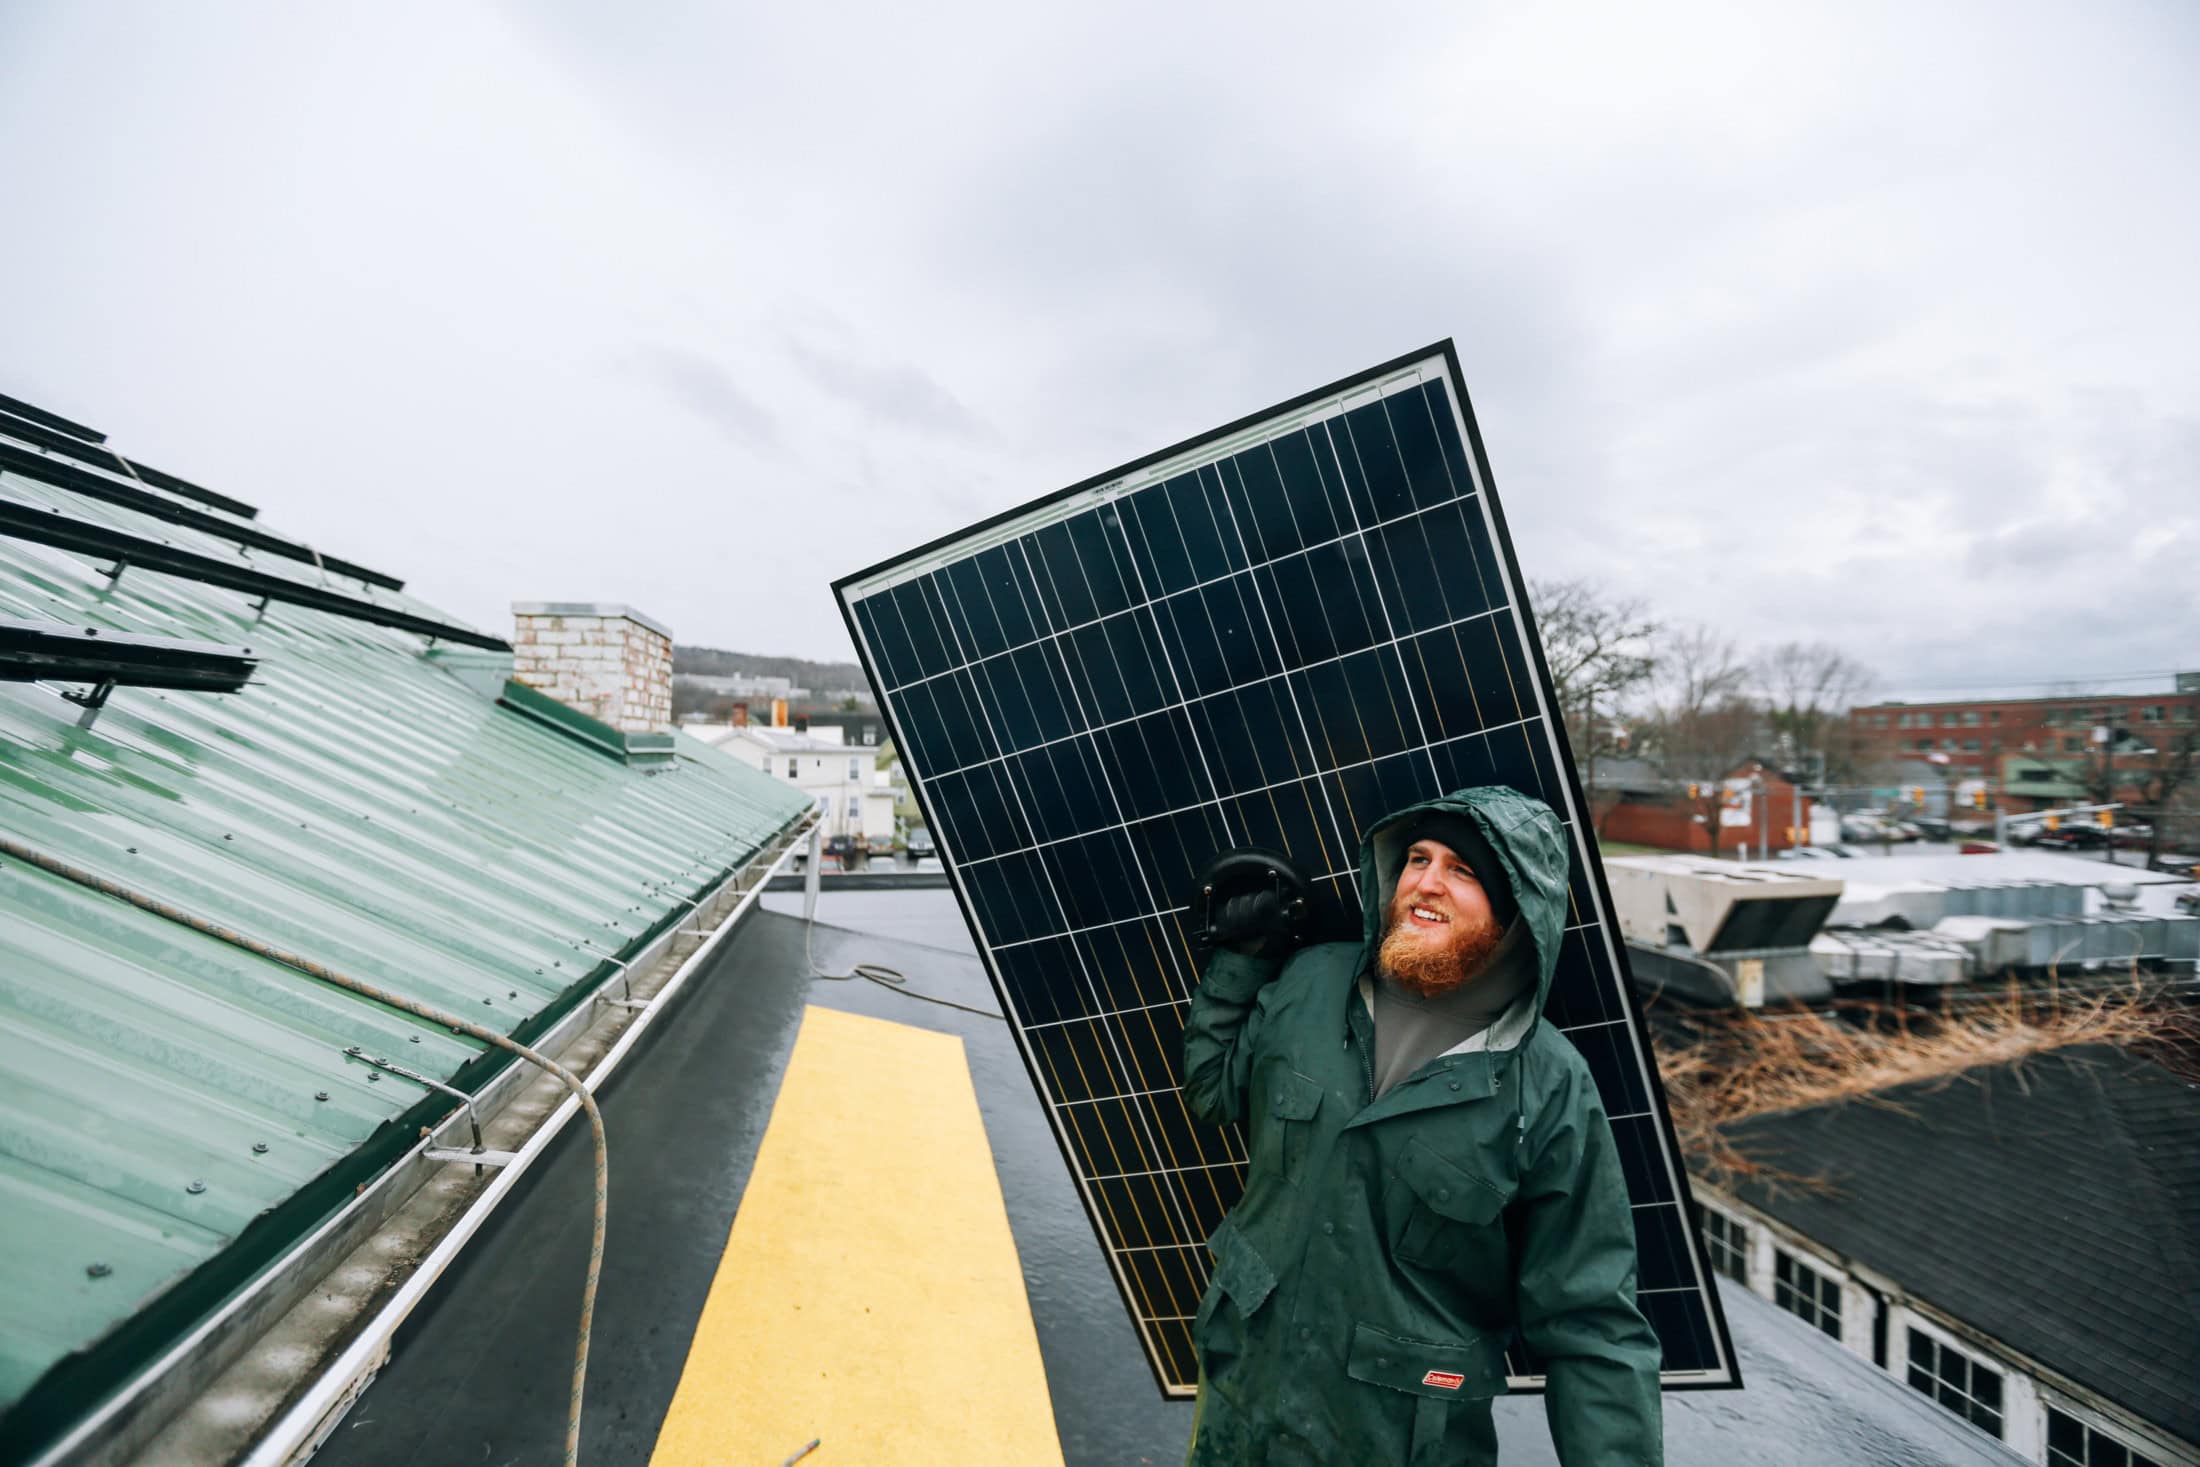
1274, 636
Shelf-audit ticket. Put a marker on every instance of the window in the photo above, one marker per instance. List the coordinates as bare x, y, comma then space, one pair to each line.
794, 769
1994, 717
1970, 746
870, 736
2054, 718
1806, 1293
1970, 719
1948, 745
1947, 720
1727, 1241
2158, 713
2073, 746
855, 771
1963, 1385
2184, 713
2072, 1443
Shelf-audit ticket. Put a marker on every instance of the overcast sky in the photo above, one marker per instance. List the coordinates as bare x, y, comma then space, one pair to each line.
1870, 324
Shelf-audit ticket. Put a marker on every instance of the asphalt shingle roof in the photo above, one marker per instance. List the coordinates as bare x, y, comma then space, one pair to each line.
2053, 1205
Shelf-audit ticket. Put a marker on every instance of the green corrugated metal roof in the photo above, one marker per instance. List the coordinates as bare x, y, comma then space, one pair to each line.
364, 801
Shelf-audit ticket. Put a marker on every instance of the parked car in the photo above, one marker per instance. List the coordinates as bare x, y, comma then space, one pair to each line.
2176, 865
2136, 834
920, 844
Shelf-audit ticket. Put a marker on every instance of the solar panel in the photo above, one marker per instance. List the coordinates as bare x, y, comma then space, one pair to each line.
1274, 635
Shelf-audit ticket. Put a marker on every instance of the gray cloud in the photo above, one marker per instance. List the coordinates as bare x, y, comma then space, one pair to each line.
894, 392
708, 390
1820, 324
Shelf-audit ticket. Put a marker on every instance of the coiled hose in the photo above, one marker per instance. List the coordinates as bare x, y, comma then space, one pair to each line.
462, 1025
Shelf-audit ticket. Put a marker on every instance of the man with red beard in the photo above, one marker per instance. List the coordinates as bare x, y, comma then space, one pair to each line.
1430, 1172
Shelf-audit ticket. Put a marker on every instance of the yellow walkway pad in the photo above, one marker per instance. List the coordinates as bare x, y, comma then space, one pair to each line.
869, 1296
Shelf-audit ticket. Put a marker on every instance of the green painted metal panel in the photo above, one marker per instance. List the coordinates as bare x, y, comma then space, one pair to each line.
174, 1110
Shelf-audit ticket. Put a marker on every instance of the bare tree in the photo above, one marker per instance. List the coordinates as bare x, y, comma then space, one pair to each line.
1809, 688
2158, 776
1598, 646
1700, 722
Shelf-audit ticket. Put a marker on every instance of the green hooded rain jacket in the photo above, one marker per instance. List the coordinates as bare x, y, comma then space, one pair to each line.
1365, 1285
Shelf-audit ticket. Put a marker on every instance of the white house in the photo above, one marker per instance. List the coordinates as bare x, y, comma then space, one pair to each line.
851, 792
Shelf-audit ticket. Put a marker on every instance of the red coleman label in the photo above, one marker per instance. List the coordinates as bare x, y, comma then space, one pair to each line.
1444, 1380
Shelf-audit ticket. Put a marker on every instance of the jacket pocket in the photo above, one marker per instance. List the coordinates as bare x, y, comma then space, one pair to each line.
1291, 1103
1242, 1282
1448, 1203
1437, 1373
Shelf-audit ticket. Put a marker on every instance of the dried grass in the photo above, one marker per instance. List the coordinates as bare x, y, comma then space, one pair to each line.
1741, 1065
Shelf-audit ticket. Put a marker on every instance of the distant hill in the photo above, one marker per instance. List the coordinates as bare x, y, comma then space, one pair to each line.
819, 677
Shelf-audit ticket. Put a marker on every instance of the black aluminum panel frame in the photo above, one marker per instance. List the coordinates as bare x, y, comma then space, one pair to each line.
67, 652
18, 460
46, 419
1689, 1208
43, 526
33, 430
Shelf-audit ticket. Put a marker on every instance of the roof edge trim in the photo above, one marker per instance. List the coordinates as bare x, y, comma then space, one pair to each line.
639, 749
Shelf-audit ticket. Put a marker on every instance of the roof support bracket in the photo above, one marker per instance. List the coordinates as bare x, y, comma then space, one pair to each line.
91, 702
479, 1159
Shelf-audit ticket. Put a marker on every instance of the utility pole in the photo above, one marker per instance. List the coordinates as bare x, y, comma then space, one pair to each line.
1589, 735
1757, 793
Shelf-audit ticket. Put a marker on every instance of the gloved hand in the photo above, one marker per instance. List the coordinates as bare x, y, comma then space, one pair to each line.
1251, 923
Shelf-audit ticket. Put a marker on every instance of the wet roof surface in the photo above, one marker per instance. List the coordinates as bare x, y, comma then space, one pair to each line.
483, 1368
174, 1103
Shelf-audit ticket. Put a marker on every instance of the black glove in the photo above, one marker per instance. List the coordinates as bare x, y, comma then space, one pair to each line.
1251, 923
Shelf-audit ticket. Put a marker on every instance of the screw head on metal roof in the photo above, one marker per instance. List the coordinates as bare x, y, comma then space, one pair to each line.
374, 1077
259, 1148
320, 1095
227, 836
133, 850
413, 1038
352, 1049
97, 1270
195, 1187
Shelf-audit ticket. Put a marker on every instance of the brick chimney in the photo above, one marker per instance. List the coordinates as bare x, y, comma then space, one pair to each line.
607, 661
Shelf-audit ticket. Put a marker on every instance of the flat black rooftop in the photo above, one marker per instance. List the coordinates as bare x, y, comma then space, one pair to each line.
479, 1373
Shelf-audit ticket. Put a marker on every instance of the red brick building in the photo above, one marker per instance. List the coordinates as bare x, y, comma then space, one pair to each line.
1971, 737
1684, 816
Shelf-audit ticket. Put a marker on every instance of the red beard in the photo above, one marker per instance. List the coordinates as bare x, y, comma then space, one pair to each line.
1433, 964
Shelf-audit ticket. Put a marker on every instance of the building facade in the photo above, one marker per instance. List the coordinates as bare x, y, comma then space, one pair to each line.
2009, 1241
2036, 1412
1970, 740
850, 791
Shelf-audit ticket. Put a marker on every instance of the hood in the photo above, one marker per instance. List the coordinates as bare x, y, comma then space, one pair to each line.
1528, 840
